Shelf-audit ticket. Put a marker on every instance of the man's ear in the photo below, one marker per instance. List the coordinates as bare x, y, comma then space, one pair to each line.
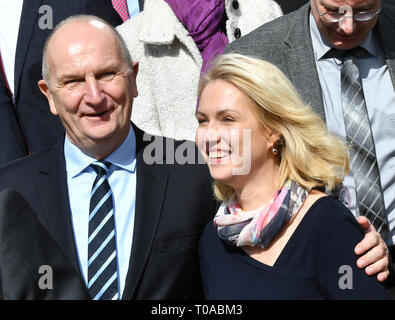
45, 90
135, 69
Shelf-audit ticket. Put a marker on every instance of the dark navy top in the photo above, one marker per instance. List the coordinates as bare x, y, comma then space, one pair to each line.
318, 262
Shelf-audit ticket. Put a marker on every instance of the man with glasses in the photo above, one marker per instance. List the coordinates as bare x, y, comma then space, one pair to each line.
340, 55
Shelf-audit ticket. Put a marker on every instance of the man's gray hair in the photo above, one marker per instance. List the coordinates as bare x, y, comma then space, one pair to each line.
82, 17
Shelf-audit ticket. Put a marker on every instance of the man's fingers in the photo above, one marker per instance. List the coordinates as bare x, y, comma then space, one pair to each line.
365, 224
369, 241
376, 259
379, 268
382, 276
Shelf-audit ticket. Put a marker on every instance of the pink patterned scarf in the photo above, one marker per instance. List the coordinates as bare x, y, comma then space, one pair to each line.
258, 227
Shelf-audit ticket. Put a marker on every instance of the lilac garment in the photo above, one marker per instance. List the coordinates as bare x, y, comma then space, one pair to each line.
203, 20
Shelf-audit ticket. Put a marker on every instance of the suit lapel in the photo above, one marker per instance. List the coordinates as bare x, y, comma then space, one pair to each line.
53, 193
300, 61
150, 194
26, 26
386, 29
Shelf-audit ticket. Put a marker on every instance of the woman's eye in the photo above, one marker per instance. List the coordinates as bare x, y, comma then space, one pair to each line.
201, 120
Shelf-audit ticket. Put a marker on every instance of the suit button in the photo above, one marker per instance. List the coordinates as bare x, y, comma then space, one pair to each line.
235, 4
237, 33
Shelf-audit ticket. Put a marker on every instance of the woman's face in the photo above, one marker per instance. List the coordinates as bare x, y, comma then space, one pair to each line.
230, 136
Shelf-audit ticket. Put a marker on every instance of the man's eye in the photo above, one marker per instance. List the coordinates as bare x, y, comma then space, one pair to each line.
228, 119
106, 76
73, 82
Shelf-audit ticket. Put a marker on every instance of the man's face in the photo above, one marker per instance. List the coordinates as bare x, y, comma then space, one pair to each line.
91, 87
348, 33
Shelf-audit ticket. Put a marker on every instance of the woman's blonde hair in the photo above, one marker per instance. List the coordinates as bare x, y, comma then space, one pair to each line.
308, 154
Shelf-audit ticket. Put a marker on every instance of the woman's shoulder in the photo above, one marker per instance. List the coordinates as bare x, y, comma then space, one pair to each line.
327, 204
326, 212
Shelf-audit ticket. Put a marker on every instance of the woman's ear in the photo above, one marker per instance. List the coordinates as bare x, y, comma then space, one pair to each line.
274, 137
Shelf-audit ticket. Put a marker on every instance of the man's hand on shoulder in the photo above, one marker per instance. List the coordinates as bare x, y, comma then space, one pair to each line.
373, 251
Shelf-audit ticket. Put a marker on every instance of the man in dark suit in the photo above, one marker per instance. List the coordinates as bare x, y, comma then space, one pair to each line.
137, 231
26, 125
304, 45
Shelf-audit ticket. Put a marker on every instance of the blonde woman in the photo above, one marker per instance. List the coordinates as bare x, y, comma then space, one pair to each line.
277, 234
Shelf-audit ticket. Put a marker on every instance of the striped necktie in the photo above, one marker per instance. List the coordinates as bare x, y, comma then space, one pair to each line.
102, 256
364, 164
121, 7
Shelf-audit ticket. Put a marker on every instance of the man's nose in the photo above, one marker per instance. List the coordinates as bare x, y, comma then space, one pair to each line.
94, 94
347, 25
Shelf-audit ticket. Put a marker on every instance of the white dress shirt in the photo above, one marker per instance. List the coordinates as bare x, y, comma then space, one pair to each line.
122, 180
133, 7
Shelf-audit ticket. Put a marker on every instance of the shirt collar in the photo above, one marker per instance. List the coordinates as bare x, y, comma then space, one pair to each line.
321, 46
123, 157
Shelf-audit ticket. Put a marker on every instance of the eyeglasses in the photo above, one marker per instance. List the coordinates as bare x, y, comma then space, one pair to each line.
337, 16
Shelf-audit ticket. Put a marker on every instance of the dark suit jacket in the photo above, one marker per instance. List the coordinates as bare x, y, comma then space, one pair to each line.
286, 42
24, 264
28, 124
173, 204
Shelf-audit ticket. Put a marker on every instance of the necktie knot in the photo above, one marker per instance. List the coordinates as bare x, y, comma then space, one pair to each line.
357, 52
101, 167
